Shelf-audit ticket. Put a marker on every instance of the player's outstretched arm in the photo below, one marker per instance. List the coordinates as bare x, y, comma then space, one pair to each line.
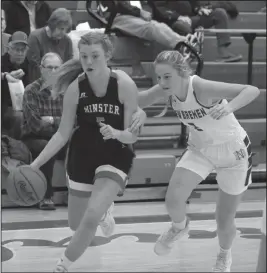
149, 97
239, 94
64, 131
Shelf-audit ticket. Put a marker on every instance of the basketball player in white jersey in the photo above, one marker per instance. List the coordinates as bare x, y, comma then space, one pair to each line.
216, 142
261, 264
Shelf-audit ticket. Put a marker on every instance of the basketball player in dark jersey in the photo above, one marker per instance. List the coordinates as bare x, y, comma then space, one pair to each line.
102, 102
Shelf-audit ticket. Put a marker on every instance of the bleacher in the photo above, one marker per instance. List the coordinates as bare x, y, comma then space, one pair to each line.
160, 135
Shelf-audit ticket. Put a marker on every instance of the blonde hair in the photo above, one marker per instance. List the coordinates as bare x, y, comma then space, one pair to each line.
179, 63
70, 70
176, 60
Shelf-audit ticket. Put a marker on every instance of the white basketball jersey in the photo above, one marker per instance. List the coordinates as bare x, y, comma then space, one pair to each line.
203, 129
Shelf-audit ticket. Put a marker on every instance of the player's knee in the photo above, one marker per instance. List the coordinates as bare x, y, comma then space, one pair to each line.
177, 194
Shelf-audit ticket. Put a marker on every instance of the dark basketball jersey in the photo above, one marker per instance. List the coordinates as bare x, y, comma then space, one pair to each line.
88, 150
92, 109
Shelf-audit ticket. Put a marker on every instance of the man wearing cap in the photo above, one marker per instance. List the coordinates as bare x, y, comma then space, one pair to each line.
14, 67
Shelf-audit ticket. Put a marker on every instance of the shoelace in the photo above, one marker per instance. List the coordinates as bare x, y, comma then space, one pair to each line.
170, 235
103, 222
47, 201
61, 268
221, 263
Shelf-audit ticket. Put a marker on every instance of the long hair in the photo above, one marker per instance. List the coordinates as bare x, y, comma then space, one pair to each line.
179, 63
70, 70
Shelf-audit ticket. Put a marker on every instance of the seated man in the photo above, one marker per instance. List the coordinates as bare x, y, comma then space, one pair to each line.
41, 118
193, 15
14, 67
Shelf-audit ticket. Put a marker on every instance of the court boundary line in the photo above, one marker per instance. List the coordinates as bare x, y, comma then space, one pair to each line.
27, 225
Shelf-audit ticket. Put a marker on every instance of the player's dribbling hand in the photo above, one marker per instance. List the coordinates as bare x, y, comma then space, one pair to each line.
219, 111
107, 131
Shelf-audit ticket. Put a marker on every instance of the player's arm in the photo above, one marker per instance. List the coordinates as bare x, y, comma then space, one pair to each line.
239, 94
128, 94
150, 96
64, 131
128, 97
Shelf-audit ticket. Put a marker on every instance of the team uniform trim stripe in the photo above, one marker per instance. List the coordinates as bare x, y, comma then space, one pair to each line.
248, 145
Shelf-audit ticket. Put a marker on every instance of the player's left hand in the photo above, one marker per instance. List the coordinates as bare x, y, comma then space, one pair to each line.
107, 131
138, 120
219, 111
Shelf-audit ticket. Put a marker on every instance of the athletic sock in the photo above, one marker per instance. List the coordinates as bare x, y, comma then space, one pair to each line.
180, 225
225, 252
64, 261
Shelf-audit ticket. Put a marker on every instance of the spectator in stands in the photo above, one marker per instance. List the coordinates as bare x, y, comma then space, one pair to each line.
138, 22
14, 67
51, 38
194, 15
41, 118
26, 16
5, 36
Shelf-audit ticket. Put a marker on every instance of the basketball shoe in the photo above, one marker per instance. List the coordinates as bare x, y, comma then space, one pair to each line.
223, 262
166, 241
60, 268
107, 223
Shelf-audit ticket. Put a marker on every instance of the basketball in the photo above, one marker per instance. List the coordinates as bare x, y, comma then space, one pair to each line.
26, 186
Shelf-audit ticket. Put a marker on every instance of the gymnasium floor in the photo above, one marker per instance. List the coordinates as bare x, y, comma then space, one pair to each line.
33, 240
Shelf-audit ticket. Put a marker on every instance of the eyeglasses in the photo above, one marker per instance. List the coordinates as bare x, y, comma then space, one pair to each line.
51, 68
19, 49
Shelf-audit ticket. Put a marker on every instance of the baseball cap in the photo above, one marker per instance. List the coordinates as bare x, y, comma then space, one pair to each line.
18, 37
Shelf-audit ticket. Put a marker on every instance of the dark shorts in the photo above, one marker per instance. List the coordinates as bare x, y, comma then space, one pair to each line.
90, 158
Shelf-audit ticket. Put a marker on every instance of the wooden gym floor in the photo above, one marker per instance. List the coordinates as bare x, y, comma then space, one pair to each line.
33, 240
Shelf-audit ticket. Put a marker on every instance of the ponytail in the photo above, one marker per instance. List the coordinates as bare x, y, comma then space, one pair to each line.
65, 75
165, 110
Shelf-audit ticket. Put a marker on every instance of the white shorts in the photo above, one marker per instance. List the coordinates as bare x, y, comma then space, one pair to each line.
232, 161
263, 225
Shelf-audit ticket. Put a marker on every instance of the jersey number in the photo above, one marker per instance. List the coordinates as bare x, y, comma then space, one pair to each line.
195, 127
